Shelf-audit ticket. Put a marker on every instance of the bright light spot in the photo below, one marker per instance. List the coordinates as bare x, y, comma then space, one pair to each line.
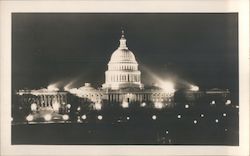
98, 106
228, 102
194, 88
237, 106
166, 132
66, 88
195, 121
78, 108
20, 93
167, 86
125, 104
128, 117
186, 106
225, 129
48, 117
56, 106
213, 102
78, 119
52, 88
65, 117
143, 104
73, 91
11, 118
224, 114
158, 105
216, 120
68, 106
84, 117
29, 117
202, 115
154, 117
99, 117
33, 107
179, 116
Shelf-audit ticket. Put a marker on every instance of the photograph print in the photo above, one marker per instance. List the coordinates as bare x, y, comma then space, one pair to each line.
125, 79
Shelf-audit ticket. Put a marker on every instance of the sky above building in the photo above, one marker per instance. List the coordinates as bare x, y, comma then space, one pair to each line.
74, 48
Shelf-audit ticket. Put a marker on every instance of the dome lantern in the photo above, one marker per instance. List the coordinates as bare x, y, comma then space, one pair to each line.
123, 41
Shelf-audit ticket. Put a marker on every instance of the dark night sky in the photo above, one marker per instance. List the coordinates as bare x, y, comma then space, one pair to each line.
197, 48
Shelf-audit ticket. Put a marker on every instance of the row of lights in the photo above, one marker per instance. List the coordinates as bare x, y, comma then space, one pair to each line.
46, 117
65, 117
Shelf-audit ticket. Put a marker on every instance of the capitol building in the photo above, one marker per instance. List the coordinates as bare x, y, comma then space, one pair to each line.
122, 87
123, 82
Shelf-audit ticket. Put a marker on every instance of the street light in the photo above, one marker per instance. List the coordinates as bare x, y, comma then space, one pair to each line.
178, 116
48, 117
29, 117
154, 117
99, 117
65, 117
194, 88
84, 117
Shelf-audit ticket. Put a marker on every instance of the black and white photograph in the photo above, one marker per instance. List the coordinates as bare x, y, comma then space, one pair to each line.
125, 79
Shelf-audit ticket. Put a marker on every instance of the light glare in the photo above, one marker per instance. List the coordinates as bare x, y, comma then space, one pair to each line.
52, 88
65, 117
47, 117
167, 86
194, 88
158, 105
154, 117
29, 117
84, 117
99, 117
33, 107
98, 106
125, 104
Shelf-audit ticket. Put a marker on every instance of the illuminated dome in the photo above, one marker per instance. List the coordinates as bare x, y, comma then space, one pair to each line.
122, 69
122, 56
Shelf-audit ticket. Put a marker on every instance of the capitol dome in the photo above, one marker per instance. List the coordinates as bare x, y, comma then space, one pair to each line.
122, 69
123, 56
